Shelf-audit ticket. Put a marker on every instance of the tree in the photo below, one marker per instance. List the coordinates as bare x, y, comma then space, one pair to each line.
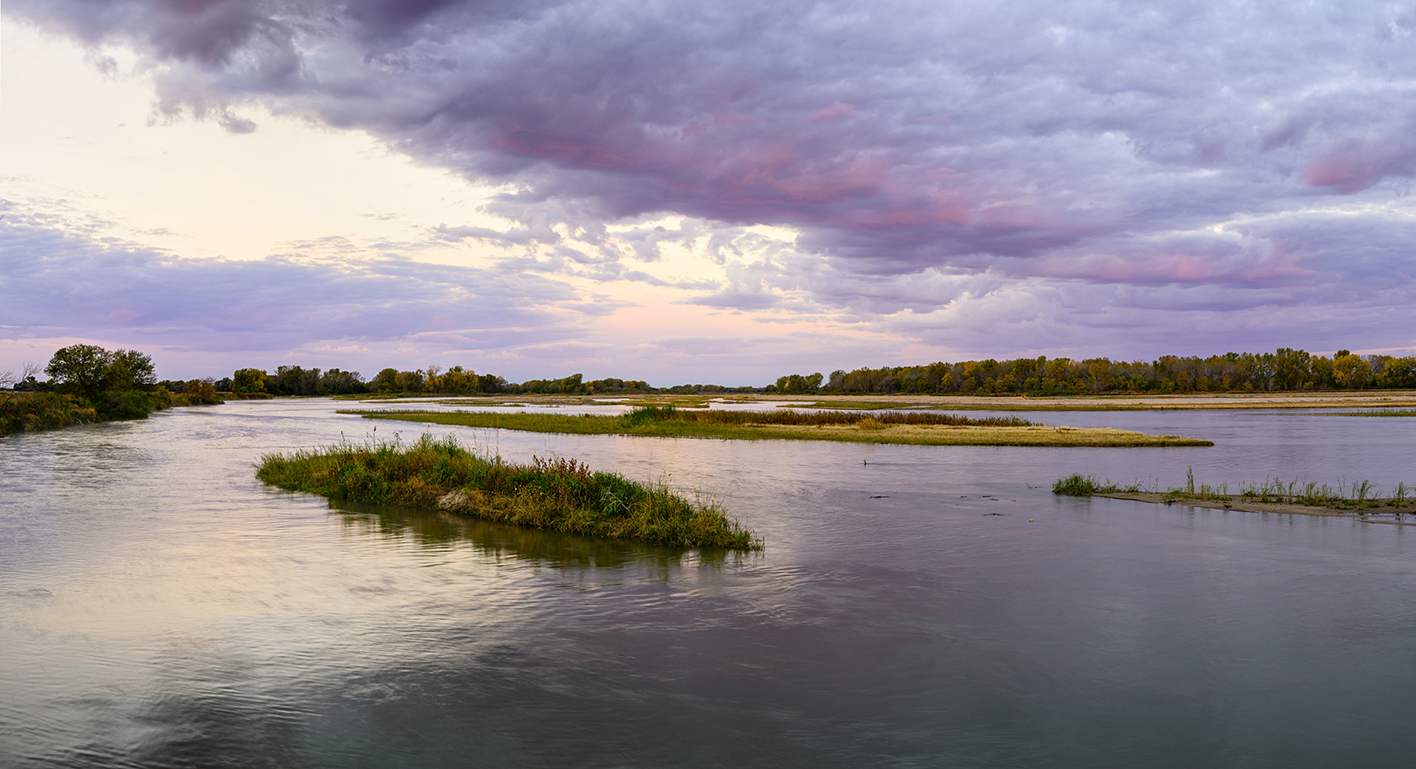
797, 384
248, 380
409, 381
80, 367
21, 381
11, 380
385, 381
90, 369
1291, 368
294, 380
340, 382
130, 370
1350, 371
1399, 372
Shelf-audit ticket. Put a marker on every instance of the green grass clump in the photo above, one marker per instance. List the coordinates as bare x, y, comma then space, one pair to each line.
559, 494
1078, 485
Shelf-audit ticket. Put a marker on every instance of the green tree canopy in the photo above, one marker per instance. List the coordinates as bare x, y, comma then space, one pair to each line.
90, 369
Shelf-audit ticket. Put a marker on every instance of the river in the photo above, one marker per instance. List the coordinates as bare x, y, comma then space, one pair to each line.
915, 606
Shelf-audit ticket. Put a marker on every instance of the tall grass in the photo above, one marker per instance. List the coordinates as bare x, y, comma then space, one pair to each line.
559, 494
1078, 485
29, 411
20, 412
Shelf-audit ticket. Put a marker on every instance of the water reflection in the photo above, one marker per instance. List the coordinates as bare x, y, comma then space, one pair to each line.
435, 529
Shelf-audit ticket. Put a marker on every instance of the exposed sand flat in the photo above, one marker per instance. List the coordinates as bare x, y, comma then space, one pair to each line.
945, 435
1383, 513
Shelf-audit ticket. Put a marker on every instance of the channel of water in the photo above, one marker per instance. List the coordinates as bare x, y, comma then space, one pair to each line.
914, 606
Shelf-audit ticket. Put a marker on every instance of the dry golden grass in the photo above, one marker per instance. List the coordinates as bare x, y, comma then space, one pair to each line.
943, 435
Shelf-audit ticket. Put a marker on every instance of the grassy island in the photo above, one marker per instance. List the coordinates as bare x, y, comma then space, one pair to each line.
888, 427
1360, 500
559, 494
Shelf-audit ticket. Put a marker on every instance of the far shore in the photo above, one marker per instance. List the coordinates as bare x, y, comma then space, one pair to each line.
1364, 399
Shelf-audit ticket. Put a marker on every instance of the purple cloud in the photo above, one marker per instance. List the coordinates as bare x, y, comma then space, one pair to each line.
61, 284
1163, 147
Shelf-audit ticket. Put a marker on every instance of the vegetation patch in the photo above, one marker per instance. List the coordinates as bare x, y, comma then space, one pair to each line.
559, 494
1377, 413
1362, 499
888, 427
91, 384
852, 405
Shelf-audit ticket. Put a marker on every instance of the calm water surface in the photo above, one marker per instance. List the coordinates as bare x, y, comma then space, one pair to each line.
161, 607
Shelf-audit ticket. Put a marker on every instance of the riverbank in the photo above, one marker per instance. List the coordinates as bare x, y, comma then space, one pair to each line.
560, 494
34, 411
1371, 399
854, 427
1361, 399
1358, 501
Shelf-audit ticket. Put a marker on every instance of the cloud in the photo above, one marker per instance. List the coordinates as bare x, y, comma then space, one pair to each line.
930, 157
1353, 165
84, 287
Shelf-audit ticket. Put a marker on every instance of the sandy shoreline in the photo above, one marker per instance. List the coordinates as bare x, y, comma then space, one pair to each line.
1368, 515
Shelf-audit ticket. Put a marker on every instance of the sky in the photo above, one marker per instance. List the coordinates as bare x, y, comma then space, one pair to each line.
702, 192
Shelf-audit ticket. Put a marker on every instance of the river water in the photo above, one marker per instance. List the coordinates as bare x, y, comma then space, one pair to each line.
914, 606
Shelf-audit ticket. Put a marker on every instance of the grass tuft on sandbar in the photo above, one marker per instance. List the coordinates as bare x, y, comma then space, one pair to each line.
930, 429
1376, 413
1270, 495
560, 494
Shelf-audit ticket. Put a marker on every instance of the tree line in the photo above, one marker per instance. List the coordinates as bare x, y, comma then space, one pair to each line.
1282, 370
295, 380
101, 377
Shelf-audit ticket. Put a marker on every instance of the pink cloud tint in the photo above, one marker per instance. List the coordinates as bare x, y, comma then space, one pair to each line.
1356, 165
837, 112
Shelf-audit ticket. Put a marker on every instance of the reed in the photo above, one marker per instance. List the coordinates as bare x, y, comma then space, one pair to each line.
559, 494
1078, 485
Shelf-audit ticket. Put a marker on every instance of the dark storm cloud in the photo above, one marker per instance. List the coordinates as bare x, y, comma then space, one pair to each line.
1100, 142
